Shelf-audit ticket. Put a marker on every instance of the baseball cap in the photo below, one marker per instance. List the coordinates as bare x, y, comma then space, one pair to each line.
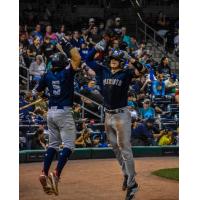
146, 101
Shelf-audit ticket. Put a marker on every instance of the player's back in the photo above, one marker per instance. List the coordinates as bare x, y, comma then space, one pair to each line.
61, 87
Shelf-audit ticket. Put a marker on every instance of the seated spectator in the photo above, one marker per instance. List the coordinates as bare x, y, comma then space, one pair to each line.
143, 133
170, 85
166, 138
132, 110
158, 86
38, 141
164, 67
84, 140
37, 68
147, 112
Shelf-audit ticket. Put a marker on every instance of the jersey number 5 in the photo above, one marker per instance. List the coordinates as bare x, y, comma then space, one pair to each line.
56, 87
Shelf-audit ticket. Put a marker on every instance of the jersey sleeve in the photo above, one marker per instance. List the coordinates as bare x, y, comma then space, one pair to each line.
91, 62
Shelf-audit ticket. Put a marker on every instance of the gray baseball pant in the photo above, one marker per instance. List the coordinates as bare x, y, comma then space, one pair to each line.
118, 130
61, 128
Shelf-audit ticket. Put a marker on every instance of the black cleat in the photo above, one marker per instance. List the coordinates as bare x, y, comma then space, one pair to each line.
124, 186
131, 192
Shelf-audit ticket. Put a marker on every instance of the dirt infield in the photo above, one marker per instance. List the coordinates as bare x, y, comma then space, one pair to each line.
101, 180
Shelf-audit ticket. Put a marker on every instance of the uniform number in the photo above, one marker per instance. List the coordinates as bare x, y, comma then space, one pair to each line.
56, 87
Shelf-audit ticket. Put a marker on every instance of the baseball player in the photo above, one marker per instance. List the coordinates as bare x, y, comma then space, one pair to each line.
60, 83
115, 85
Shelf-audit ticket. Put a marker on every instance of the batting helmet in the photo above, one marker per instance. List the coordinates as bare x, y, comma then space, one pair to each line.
59, 60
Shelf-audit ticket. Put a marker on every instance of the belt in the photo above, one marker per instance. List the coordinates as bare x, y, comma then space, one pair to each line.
59, 107
115, 111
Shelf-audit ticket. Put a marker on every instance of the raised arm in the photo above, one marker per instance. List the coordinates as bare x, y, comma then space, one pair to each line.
66, 48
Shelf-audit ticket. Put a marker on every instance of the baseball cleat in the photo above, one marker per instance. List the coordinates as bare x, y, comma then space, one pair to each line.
46, 184
131, 192
124, 185
54, 181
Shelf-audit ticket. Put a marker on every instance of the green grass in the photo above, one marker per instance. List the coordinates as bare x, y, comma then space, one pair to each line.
172, 173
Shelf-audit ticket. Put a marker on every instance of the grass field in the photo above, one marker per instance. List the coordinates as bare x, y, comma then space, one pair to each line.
172, 173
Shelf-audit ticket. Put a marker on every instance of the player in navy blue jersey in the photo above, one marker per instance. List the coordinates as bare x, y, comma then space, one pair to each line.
61, 127
115, 81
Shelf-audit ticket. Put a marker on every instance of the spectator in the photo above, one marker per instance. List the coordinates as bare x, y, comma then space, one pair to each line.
134, 45
94, 36
47, 49
164, 68
125, 37
170, 85
147, 111
115, 44
84, 140
51, 35
37, 33
143, 133
76, 42
61, 33
84, 50
117, 26
84, 36
166, 138
34, 49
158, 86
37, 68
68, 36
23, 41
38, 141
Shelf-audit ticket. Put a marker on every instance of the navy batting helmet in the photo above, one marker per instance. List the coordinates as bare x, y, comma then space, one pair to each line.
117, 55
59, 60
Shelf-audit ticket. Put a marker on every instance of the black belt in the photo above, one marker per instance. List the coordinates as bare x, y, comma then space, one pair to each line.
115, 111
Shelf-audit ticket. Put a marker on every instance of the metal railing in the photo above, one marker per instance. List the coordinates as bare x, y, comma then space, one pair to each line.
149, 33
23, 67
101, 116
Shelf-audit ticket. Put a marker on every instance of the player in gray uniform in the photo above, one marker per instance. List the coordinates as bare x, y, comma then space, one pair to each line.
115, 85
61, 127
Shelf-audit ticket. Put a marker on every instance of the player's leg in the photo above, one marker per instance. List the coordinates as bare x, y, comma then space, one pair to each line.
66, 125
111, 135
54, 141
123, 129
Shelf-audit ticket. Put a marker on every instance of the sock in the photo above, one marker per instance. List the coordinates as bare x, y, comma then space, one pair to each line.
63, 158
49, 155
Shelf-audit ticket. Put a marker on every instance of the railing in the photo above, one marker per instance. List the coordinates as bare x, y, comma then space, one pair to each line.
101, 116
22, 66
149, 33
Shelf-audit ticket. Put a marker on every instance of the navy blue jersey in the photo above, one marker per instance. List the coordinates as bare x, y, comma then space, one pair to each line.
60, 85
114, 86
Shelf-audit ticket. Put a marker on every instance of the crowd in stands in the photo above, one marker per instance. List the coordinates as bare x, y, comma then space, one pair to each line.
152, 100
